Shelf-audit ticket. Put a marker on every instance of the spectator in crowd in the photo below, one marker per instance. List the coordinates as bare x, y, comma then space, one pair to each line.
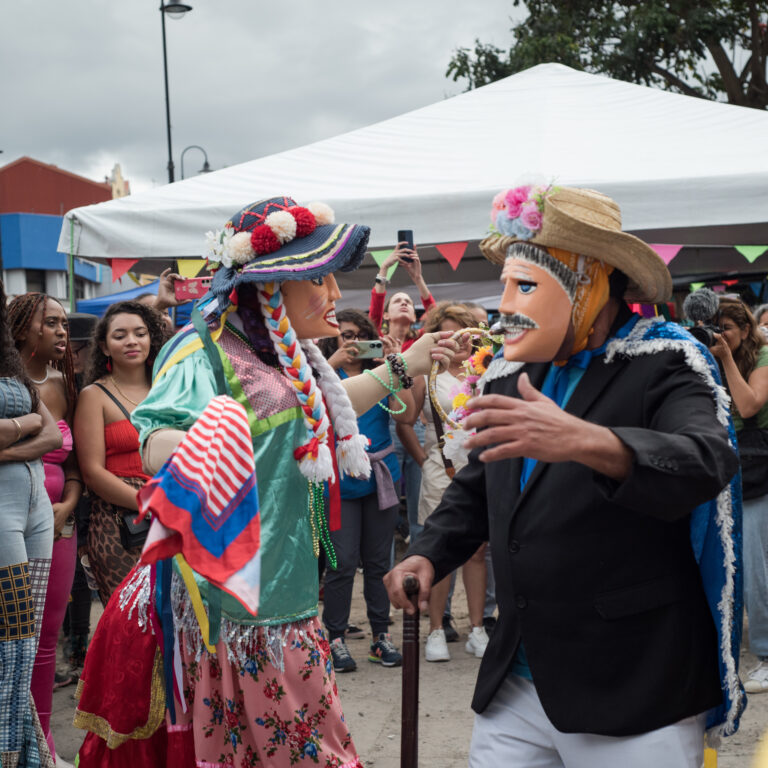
40, 331
77, 620
369, 507
27, 433
123, 350
743, 353
436, 473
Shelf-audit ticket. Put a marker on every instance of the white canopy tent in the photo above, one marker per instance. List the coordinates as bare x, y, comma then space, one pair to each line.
683, 170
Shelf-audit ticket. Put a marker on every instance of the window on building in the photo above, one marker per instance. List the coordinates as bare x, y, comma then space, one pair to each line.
79, 288
35, 281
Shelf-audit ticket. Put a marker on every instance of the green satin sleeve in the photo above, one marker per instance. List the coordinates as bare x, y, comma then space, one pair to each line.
178, 398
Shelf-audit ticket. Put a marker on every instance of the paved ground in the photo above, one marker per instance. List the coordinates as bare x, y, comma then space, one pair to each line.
371, 698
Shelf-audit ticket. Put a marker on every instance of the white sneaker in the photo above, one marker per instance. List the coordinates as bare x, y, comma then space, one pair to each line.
436, 648
478, 640
62, 763
757, 679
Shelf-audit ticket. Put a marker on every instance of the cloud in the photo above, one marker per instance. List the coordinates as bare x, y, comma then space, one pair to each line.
84, 78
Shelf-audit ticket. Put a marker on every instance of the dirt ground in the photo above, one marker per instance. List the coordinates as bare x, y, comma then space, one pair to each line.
371, 699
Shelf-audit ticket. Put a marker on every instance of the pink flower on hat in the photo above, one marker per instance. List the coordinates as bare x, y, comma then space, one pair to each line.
530, 215
498, 205
514, 199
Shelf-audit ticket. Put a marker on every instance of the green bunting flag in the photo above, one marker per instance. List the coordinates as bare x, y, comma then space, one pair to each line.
696, 286
379, 256
751, 252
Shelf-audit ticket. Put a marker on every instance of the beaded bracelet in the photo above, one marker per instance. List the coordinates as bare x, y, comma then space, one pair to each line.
390, 387
400, 368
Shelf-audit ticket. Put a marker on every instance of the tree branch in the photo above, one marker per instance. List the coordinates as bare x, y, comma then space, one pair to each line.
724, 66
674, 80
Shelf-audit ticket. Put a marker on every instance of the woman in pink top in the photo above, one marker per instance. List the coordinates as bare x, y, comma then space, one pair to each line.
38, 325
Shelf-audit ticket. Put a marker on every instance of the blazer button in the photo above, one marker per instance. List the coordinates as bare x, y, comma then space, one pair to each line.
521, 602
514, 546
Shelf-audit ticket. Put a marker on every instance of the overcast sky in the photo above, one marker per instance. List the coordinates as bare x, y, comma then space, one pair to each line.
81, 81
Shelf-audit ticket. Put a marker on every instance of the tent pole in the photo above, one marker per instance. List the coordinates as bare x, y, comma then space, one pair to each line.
71, 266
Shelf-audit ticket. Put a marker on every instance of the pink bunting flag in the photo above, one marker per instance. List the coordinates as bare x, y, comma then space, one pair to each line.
453, 253
120, 267
667, 252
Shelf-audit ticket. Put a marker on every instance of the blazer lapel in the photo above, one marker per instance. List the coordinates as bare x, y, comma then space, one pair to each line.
591, 386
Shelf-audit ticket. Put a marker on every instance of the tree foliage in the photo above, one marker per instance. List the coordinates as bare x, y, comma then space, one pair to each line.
714, 49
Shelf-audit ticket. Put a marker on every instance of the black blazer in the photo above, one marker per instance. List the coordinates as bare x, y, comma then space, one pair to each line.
597, 578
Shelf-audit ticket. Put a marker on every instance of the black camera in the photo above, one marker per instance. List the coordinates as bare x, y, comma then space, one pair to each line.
701, 308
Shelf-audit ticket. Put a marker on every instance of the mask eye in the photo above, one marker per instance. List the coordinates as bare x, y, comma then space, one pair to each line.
317, 281
525, 287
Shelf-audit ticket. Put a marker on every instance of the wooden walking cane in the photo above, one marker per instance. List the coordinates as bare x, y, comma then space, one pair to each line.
409, 737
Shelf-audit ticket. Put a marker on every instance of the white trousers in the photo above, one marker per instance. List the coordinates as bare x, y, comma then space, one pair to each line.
514, 731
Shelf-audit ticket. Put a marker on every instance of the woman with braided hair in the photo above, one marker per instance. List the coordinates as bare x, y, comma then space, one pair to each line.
244, 686
27, 432
38, 324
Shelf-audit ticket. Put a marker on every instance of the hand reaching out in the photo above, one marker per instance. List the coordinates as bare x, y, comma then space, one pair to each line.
345, 354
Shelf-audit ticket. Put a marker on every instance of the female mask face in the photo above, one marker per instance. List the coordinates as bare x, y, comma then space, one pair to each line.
535, 312
310, 306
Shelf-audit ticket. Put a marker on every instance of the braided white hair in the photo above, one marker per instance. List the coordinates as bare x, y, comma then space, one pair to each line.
350, 445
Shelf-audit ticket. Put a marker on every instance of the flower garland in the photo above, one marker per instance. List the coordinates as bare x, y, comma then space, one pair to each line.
475, 366
235, 249
519, 212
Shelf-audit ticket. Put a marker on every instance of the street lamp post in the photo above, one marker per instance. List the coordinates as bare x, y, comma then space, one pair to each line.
176, 11
205, 169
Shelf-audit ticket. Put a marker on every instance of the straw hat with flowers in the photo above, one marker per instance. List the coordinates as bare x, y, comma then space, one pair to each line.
582, 221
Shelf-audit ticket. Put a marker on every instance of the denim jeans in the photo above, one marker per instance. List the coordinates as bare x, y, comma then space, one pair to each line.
411, 477
755, 537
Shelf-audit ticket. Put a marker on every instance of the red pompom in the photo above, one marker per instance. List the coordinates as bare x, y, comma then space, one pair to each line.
305, 220
264, 240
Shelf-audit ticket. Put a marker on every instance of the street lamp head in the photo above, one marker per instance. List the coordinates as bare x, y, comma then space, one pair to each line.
206, 168
175, 10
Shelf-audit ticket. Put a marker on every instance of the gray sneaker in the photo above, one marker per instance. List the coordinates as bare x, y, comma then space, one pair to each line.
342, 658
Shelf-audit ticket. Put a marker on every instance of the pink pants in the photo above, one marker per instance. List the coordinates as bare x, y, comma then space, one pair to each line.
56, 599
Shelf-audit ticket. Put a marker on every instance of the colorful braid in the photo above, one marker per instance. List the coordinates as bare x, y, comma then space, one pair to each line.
314, 456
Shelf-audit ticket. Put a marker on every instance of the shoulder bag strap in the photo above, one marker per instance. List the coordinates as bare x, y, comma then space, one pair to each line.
450, 470
114, 400
222, 387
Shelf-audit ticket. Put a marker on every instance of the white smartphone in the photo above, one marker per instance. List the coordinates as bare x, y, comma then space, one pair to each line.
369, 349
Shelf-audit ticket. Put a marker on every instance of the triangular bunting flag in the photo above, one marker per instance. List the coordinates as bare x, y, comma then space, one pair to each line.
379, 256
751, 252
120, 267
696, 286
453, 253
730, 282
667, 252
190, 267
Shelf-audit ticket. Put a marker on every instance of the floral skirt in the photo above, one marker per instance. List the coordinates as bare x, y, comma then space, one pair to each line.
270, 701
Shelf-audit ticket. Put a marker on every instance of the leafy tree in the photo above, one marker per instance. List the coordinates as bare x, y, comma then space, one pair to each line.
706, 48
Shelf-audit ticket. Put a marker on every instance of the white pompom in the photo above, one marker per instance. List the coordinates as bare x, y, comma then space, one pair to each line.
239, 248
320, 469
323, 213
283, 225
352, 458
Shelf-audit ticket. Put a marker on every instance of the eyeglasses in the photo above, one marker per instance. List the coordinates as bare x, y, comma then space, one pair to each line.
351, 335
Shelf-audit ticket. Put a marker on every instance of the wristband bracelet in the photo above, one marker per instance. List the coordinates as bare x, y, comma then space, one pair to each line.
381, 280
400, 368
19, 430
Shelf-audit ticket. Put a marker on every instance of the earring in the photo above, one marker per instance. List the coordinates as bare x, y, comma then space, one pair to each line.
109, 363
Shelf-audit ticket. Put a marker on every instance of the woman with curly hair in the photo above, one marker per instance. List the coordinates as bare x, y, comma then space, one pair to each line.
38, 324
27, 433
743, 353
123, 350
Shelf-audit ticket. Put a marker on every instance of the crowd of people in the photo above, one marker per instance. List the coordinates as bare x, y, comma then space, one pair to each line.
343, 446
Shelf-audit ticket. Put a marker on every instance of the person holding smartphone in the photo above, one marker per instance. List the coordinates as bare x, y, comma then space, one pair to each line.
397, 315
369, 506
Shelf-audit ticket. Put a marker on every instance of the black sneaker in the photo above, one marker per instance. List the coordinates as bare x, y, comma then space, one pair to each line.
354, 633
451, 635
342, 659
383, 652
